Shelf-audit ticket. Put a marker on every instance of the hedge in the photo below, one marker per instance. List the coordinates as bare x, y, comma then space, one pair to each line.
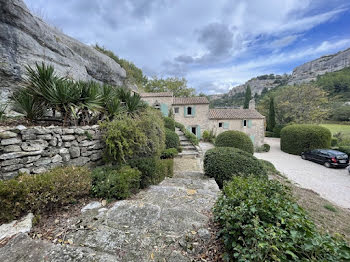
223, 163
235, 139
260, 221
153, 170
169, 123
42, 192
345, 149
115, 183
296, 139
172, 140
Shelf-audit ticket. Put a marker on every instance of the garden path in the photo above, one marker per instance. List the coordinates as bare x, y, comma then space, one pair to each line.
162, 223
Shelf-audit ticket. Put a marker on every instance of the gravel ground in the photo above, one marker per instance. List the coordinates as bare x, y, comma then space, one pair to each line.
332, 184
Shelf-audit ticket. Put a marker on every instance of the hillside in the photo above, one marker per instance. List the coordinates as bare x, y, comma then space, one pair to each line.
301, 74
26, 39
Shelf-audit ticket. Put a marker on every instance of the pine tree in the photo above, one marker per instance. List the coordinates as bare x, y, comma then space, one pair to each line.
248, 97
272, 117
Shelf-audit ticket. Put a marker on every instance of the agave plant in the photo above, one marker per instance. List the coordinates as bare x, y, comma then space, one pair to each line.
134, 103
25, 103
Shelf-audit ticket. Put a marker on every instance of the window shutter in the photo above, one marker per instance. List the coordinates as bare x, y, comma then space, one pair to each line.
226, 125
249, 123
193, 110
164, 109
185, 110
242, 123
198, 132
189, 129
252, 137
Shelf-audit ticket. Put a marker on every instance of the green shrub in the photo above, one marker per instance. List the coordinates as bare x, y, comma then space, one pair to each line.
263, 148
209, 136
235, 139
277, 130
115, 183
43, 192
169, 123
172, 140
269, 167
148, 168
334, 141
169, 163
269, 134
260, 221
223, 163
141, 136
296, 139
169, 153
345, 149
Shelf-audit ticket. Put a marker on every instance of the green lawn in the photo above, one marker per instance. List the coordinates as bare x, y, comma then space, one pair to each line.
335, 128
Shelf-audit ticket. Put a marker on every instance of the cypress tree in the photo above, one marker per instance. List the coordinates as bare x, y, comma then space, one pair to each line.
271, 123
248, 97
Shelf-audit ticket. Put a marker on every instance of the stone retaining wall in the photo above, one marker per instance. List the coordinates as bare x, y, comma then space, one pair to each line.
35, 150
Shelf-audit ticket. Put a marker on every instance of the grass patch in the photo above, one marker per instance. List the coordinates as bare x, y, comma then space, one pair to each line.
330, 208
336, 128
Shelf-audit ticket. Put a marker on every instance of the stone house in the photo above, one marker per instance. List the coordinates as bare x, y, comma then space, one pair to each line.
195, 115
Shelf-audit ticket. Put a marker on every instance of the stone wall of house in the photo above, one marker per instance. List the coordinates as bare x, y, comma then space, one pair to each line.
257, 130
35, 150
201, 117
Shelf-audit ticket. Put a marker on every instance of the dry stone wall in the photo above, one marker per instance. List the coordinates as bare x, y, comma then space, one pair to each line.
35, 150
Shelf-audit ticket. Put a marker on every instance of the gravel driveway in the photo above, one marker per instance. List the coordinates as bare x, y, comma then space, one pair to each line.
332, 184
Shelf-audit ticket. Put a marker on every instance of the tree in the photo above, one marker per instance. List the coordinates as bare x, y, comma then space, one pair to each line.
134, 75
271, 121
248, 97
172, 84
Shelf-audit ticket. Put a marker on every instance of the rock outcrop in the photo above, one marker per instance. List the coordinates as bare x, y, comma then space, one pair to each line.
310, 70
26, 39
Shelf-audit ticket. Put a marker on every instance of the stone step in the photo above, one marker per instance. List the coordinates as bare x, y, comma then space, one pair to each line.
189, 154
188, 147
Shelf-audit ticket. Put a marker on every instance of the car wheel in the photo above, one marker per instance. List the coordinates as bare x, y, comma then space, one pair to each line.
327, 164
303, 156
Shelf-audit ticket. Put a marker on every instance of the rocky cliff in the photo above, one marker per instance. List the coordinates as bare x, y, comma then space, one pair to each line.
257, 84
301, 74
310, 70
26, 39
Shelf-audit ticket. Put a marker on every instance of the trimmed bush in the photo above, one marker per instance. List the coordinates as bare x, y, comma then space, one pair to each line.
260, 221
172, 140
169, 123
269, 167
277, 130
296, 139
223, 163
153, 170
345, 149
115, 183
235, 139
169, 153
43, 192
263, 148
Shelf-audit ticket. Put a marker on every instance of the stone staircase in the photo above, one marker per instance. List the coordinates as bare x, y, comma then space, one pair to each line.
188, 149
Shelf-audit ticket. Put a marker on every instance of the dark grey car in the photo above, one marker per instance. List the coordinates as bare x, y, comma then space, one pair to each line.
327, 157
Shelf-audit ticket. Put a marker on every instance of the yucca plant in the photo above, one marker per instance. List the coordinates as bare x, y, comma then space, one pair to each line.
134, 104
25, 103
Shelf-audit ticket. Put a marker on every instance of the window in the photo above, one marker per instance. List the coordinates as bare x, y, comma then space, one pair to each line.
220, 124
189, 111
176, 110
194, 130
244, 122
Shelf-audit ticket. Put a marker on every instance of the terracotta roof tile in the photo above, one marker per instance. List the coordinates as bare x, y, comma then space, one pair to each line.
234, 114
160, 94
190, 100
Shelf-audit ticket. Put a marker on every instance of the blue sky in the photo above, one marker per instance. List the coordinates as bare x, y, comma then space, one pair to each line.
215, 45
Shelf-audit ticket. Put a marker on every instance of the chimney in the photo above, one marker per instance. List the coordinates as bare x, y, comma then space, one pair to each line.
252, 104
